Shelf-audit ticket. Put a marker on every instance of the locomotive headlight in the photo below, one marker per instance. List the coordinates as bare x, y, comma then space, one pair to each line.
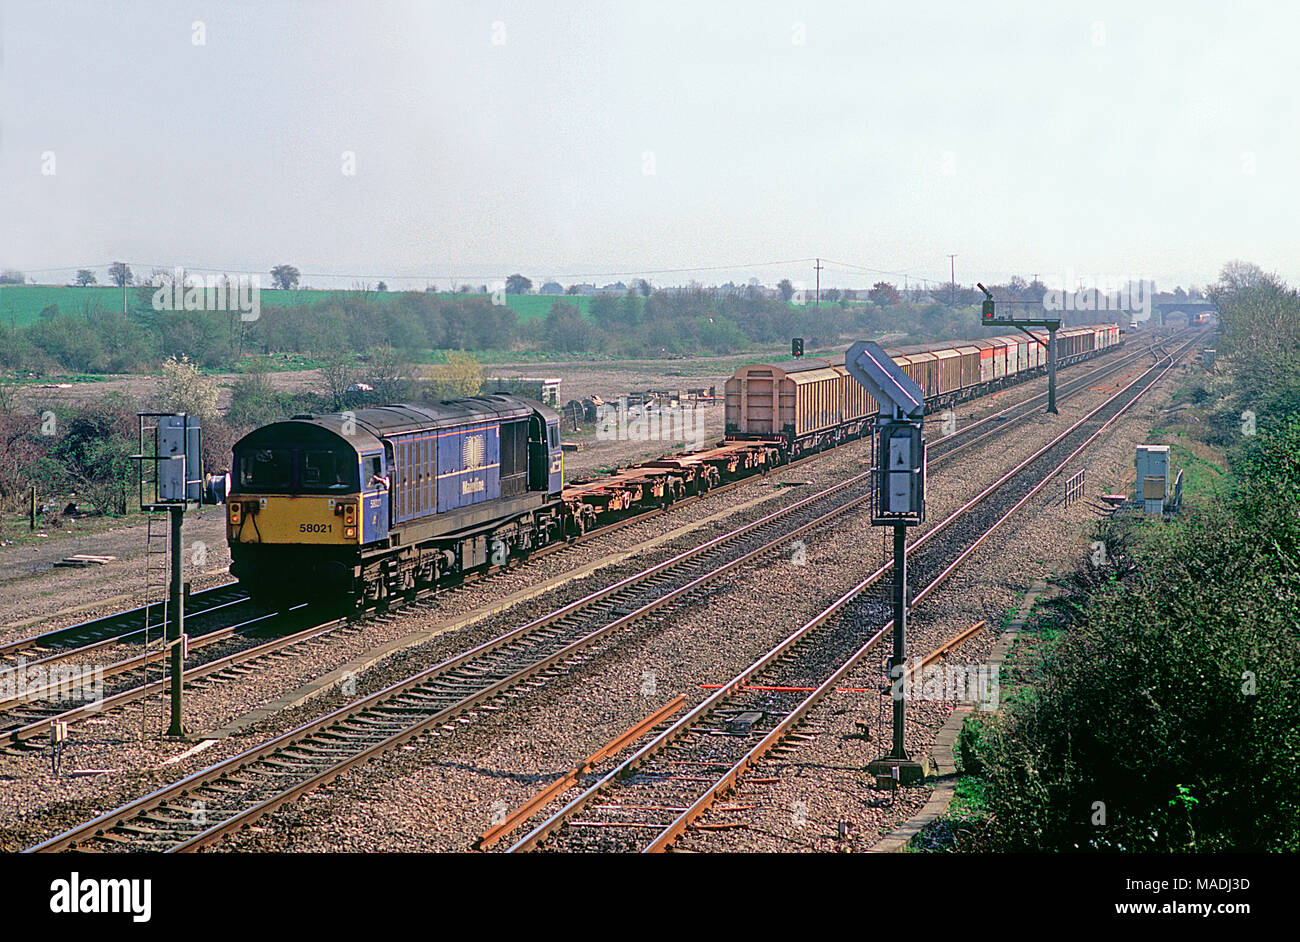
349, 533
349, 515
234, 509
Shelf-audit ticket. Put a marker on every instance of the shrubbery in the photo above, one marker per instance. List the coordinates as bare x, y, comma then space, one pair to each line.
1164, 716
95, 340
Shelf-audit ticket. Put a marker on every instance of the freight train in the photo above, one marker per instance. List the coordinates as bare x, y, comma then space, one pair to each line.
384, 501
812, 404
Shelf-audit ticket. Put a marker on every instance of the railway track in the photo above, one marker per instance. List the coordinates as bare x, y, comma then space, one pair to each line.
26, 719
652, 798
992, 424
118, 628
124, 627
316, 753
247, 786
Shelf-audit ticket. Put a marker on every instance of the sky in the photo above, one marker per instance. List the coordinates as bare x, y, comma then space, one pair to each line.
437, 143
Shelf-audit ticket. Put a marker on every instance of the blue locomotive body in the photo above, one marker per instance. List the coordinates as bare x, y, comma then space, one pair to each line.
392, 498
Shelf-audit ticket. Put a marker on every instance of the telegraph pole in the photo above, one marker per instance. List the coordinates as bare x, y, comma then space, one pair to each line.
952, 263
818, 268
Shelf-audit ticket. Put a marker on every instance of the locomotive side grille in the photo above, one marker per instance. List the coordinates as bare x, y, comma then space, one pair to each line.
514, 458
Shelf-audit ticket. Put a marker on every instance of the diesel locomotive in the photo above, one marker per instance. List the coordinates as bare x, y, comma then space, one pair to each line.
383, 500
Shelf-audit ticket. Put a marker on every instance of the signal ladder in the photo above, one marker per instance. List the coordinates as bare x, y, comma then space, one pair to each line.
157, 582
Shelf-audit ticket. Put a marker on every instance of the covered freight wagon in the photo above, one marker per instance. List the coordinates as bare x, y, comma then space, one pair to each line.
805, 403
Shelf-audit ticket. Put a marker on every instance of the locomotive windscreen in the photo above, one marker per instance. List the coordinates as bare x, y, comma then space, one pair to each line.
326, 471
284, 469
266, 470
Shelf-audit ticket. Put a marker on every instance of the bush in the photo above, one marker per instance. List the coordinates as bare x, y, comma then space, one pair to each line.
970, 744
1172, 700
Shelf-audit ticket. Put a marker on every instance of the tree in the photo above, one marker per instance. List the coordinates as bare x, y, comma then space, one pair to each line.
254, 400
567, 331
390, 375
642, 287
86, 277
1239, 276
518, 284
334, 377
285, 277
461, 375
92, 454
572, 289
786, 289
884, 294
184, 389
382, 286
120, 274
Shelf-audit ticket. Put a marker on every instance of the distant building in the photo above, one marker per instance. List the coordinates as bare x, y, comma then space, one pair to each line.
551, 287
544, 389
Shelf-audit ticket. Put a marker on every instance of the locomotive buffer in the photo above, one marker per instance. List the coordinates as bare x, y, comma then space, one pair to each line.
899, 503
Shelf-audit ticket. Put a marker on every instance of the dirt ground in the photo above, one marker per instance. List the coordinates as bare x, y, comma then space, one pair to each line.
607, 379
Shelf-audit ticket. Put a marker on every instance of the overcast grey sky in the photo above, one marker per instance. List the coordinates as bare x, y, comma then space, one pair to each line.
560, 139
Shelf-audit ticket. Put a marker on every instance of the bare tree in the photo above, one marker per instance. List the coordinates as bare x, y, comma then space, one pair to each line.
120, 274
390, 375
334, 378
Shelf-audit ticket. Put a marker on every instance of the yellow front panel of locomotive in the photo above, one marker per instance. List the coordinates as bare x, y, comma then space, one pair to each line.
301, 519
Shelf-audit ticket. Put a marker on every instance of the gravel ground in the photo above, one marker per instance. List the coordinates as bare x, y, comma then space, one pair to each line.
817, 788
112, 742
440, 793
39, 597
450, 786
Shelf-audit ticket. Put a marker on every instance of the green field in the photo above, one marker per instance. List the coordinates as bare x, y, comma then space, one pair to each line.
21, 305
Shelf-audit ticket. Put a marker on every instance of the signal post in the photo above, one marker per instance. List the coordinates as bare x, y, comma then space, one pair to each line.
899, 503
171, 479
990, 318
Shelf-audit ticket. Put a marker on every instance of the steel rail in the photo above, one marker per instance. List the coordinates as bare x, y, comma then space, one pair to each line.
376, 700
783, 511
686, 723
153, 655
45, 639
41, 727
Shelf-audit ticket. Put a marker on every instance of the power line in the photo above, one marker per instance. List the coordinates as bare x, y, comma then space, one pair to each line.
882, 271
425, 277
819, 263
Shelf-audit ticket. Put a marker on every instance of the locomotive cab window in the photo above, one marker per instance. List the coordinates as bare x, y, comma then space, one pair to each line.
326, 471
266, 470
555, 436
371, 465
